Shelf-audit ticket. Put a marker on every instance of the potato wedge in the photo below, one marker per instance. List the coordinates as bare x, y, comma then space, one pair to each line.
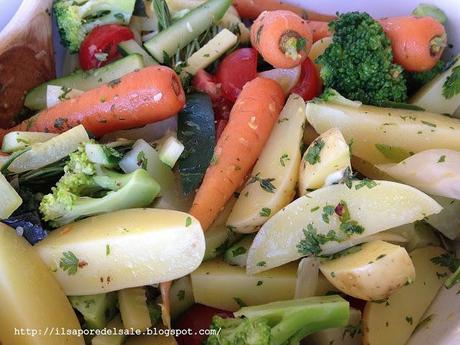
123, 249
327, 157
448, 220
369, 170
275, 174
181, 296
375, 208
220, 285
385, 135
430, 97
133, 307
30, 296
436, 172
393, 321
371, 271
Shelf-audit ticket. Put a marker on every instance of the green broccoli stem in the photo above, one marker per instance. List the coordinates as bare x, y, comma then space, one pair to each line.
296, 319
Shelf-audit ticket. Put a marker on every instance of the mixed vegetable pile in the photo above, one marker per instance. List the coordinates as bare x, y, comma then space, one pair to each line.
255, 172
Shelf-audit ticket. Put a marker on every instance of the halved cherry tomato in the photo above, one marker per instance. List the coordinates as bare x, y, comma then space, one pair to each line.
197, 318
207, 83
309, 85
101, 45
235, 70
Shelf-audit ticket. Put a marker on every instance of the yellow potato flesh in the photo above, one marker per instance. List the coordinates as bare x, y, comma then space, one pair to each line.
373, 272
384, 206
392, 322
279, 161
31, 299
367, 126
334, 157
123, 249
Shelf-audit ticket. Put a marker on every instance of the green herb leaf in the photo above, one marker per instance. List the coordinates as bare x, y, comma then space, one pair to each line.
393, 153
238, 251
240, 302
284, 157
311, 244
328, 210
161, 9
451, 86
446, 260
69, 262
313, 155
261, 263
265, 212
442, 159
188, 221
259, 282
366, 183
107, 250
265, 183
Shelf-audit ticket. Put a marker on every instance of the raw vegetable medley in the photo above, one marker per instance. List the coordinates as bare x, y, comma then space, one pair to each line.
255, 172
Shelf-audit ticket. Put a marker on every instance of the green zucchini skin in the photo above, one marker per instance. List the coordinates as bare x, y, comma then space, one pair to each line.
197, 132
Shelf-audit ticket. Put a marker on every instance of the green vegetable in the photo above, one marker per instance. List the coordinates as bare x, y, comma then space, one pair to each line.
85, 80
170, 151
430, 10
313, 155
76, 18
102, 155
97, 310
196, 131
452, 85
129, 47
415, 80
237, 254
358, 63
185, 30
453, 279
280, 323
86, 189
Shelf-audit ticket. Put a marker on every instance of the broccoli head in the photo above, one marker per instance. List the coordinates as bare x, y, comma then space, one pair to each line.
87, 189
76, 18
280, 323
359, 62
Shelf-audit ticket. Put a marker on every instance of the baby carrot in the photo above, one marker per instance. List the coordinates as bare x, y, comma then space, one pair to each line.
253, 8
282, 38
319, 29
250, 124
417, 42
148, 95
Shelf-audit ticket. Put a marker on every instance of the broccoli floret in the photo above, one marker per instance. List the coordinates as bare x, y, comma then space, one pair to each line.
415, 80
76, 18
280, 323
87, 189
359, 62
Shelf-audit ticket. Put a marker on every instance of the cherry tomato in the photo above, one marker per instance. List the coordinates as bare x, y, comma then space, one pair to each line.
101, 45
309, 85
235, 70
207, 83
197, 318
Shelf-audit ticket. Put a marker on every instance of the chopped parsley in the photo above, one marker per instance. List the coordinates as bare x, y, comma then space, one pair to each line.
69, 263
188, 221
442, 159
313, 154
311, 244
446, 260
259, 283
328, 210
314, 209
181, 295
429, 123
239, 251
381, 256
261, 264
265, 212
142, 161
366, 183
347, 178
409, 320
451, 86
107, 250
284, 157
240, 302
347, 225
265, 183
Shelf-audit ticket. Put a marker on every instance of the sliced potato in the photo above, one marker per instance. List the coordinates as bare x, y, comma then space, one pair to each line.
274, 176
430, 97
123, 249
371, 271
435, 172
448, 220
181, 296
15, 141
286, 77
30, 296
375, 208
10, 200
327, 156
134, 311
393, 321
220, 285
385, 135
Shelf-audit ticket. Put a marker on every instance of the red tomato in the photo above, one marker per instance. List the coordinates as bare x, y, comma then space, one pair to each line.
101, 45
197, 318
309, 85
236, 70
207, 83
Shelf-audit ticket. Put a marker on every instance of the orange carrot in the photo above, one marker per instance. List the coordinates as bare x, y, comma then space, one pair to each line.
251, 121
253, 8
319, 29
148, 95
417, 42
282, 38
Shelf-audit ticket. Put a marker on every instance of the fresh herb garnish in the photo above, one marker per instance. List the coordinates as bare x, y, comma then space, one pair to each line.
261, 264
313, 155
238, 251
265, 183
451, 86
188, 221
142, 161
366, 183
107, 250
442, 159
328, 210
265, 212
161, 10
69, 262
284, 157
240, 302
311, 244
